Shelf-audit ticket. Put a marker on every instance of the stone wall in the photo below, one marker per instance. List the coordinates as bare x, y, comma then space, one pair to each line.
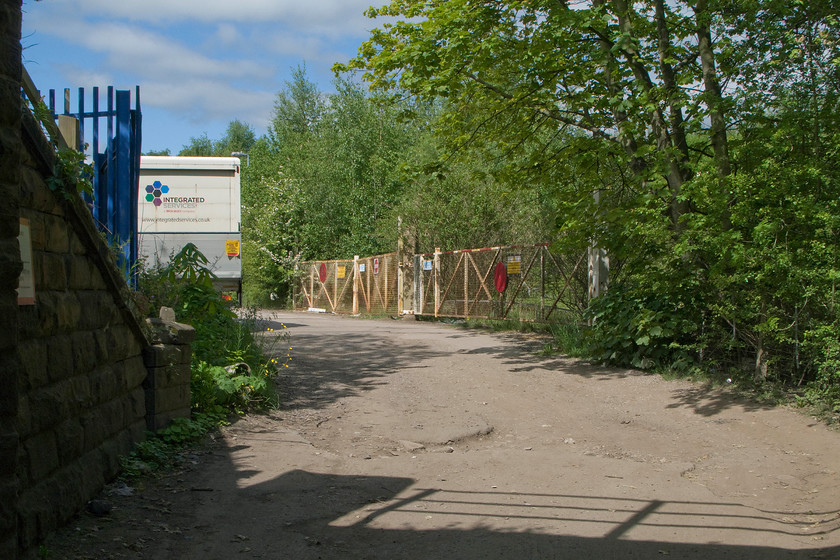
167, 360
10, 267
73, 377
81, 402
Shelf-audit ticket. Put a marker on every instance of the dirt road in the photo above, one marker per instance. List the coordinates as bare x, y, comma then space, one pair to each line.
405, 439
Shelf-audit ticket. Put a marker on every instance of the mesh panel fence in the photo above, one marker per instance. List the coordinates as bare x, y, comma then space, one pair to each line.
378, 283
526, 283
329, 285
517, 282
325, 285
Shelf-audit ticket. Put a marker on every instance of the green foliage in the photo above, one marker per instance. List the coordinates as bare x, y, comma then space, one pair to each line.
467, 201
718, 207
248, 381
185, 283
239, 137
231, 369
200, 146
337, 172
161, 451
71, 169
568, 338
823, 344
322, 183
640, 331
233, 388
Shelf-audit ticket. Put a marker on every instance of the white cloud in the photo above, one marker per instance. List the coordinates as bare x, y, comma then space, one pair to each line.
84, 77
198, 62
227, 34
338, 17
149, 53
199, 100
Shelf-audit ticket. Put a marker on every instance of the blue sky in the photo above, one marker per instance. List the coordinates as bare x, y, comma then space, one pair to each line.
199, 63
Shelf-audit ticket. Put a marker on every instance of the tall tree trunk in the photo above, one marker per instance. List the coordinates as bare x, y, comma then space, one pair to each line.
714, 98
670, 82
676, 174
627, 140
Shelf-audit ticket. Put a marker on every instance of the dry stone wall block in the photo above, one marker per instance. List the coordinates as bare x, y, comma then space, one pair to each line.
60, 352
58, 234
34, 358
42, 452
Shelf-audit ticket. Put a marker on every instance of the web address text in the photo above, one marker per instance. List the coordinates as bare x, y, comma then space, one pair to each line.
177, 219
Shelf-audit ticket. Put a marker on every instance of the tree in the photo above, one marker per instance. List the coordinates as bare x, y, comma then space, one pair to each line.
200, 146
297, 112
690, 139
239, 137
616, 72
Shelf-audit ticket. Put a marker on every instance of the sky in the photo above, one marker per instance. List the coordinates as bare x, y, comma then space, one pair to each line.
199, 63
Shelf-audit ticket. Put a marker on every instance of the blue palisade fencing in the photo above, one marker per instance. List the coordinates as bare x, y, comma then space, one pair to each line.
116, 164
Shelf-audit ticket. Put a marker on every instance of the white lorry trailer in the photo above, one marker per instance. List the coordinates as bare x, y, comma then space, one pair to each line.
192, 200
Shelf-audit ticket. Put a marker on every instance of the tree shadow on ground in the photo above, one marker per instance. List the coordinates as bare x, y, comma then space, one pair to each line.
708, 400
331, 366
522, 355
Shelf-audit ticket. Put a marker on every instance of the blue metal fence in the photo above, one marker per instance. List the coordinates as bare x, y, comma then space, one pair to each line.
116, 163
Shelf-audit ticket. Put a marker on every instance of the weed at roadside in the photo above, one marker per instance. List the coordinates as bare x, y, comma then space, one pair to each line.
160, 451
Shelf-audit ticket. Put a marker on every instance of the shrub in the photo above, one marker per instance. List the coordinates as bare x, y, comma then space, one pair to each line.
638, 330
230, 367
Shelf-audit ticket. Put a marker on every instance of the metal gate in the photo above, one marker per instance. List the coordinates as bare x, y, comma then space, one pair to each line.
362, 285
116, 163
517, 282
378, 285
326, 285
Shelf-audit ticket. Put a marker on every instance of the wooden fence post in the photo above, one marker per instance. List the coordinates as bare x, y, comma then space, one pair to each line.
355, 284
400, 274
466, 286
335, 289
540, 316
436, 280
311, 285
418, 285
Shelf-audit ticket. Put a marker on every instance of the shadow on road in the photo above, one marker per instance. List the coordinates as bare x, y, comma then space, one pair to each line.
301, 514
523, 356
337, 365
250, 513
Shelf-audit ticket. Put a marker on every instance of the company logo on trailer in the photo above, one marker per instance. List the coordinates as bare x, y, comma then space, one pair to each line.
156, 191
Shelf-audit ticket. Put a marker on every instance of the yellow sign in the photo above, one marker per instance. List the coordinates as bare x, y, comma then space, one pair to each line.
514, 264
232, 247
339, 272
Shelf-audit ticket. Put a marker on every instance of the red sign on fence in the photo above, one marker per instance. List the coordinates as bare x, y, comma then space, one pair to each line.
500, 277
322, 273
376, 266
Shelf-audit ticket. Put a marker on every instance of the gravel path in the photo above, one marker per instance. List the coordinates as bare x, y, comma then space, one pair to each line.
408, 439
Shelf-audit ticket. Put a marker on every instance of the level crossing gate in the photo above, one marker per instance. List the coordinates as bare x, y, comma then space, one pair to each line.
362, 285
516, 282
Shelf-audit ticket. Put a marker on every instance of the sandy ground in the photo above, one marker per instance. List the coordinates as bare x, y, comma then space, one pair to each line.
407, 439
